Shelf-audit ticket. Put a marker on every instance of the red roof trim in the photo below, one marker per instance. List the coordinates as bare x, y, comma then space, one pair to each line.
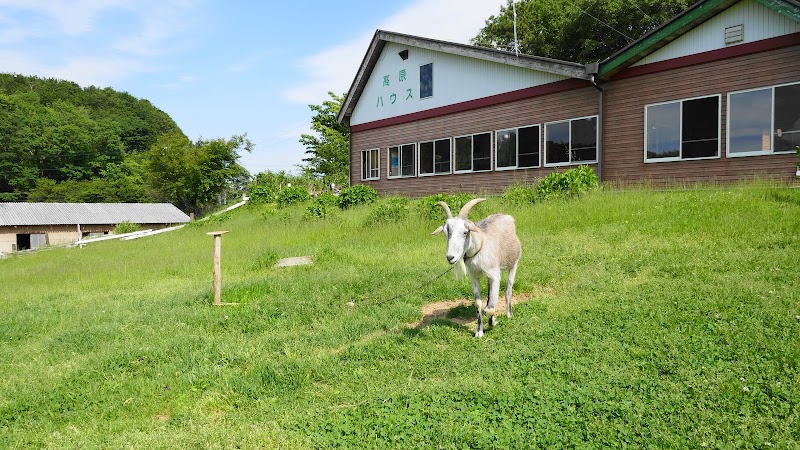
787, 40
535, 91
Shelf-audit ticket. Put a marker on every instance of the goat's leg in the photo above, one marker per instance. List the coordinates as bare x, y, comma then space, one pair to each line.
512, 273
476, 288
494, 294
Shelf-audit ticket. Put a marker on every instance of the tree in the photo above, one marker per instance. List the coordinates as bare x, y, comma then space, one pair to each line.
330, 150
195, 176
583, 31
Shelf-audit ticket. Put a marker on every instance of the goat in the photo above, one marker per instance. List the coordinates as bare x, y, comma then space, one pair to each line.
485, 249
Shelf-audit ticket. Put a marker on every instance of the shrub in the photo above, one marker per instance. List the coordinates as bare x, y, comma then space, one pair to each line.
426, 207
358, 194
327, 199
520, 194
569, 183
126, 227
292, 196
260, 194
393, 209
797, 149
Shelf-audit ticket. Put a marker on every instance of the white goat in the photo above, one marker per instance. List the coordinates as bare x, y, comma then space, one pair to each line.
485, 249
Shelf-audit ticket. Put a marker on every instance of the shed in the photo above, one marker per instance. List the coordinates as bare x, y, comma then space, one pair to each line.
31, 225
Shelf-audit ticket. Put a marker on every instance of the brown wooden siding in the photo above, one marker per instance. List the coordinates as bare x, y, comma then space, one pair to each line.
532, 111
623, 127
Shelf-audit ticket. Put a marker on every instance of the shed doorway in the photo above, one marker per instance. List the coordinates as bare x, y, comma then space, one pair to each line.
31, 241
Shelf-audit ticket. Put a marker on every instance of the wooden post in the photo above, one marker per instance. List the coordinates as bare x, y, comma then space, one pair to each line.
217, 266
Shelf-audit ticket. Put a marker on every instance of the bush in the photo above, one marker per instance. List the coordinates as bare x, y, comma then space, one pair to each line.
127, 227
569, 183
292, 196
426, 207
260, 194
393, 209
520, 194
358, 194
327, 199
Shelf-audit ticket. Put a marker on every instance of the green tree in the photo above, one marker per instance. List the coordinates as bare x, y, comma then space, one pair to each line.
578, 30
195, 176
329, 150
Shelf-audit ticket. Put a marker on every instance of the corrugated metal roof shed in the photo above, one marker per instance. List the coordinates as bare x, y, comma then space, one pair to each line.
89, 213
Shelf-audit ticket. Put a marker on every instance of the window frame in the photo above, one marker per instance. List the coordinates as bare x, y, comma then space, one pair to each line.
400, 167
419, 157
472, 153
680, 130
772, 88
516, 166
376, 169
543, 148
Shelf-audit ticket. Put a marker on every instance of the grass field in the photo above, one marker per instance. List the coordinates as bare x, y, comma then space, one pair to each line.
651, 319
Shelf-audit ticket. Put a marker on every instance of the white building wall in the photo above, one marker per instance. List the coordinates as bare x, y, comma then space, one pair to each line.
456, 79
759, 23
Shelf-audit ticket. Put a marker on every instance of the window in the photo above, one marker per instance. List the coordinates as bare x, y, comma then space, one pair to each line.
685, 129
401, 161
473, 153
517, 148
434, 157
572, 141
763, 121
370, 165
426, 80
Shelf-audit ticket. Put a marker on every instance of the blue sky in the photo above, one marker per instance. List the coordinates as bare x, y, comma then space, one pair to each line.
222, 68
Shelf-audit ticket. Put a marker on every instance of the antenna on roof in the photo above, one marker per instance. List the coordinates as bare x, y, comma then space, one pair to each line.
516, 42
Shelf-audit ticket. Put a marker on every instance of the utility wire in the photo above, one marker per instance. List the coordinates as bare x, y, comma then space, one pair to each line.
604, 23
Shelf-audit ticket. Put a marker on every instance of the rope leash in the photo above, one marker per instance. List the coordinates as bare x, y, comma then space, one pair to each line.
411, 290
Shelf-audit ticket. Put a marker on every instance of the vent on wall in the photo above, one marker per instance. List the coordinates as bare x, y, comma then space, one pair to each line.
734, 34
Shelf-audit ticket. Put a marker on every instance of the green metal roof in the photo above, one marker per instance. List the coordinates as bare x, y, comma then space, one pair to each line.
680, 25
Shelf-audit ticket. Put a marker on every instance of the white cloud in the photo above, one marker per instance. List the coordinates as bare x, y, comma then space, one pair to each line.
333, 69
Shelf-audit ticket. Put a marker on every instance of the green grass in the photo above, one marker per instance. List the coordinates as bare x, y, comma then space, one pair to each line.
655, 319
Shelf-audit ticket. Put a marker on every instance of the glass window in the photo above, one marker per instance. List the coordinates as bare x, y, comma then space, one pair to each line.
463, 153
583, 140
517, 148
482, 152
750, 121
441, 156
663, 131
426, 81
506, 148
557, 142
787, 117
370, 166
700, 134
401, 161
474, 153
434, 157
683, 129
528, 147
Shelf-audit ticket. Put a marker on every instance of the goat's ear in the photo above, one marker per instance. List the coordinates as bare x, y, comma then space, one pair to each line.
437, 231
472, 227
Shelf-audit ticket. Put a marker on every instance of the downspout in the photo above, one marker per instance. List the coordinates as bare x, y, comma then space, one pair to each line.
592, 70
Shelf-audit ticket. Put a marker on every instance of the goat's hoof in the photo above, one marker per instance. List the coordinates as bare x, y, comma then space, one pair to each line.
479, 334
493, 321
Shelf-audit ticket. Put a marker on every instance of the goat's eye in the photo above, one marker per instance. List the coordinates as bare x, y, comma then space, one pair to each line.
466, 232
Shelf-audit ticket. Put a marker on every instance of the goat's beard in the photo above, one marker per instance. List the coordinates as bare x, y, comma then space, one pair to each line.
460, 270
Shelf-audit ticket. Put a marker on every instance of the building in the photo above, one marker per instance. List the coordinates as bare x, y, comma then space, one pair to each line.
26, 226
711, 95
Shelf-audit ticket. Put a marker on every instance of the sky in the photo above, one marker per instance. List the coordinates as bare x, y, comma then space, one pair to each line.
222, 68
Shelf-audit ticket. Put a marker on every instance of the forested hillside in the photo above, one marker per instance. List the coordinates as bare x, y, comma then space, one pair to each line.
61, 142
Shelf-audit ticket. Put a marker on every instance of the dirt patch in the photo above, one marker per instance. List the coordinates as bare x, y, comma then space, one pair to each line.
462, 312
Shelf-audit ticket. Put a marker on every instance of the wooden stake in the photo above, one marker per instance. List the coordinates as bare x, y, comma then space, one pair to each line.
217, 266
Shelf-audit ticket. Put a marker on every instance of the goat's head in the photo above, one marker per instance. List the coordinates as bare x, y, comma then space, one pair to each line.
457, 230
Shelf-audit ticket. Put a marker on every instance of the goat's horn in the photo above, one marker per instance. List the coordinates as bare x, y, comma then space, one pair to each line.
465, 210
446, 209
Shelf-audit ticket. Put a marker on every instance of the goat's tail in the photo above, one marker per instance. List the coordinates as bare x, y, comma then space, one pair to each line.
461, 270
